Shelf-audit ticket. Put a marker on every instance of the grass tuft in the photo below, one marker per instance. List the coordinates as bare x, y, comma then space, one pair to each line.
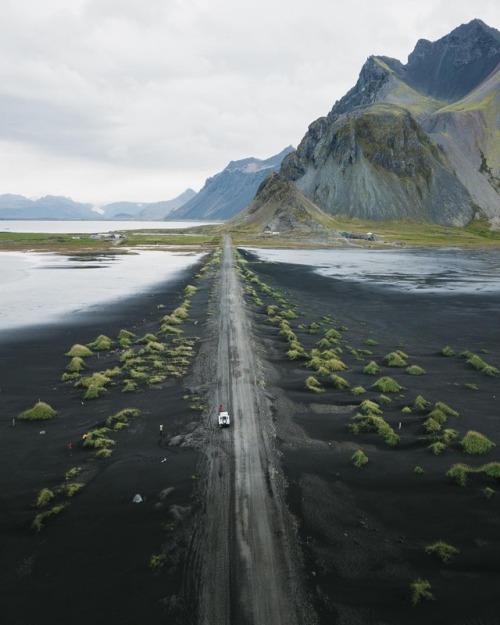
387, 385
441, 550
313, 385
415, 370
475, 443
80, 351
359, 459
420, 590
40, 412
44, 497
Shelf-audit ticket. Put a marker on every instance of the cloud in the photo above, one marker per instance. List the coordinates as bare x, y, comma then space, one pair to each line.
167, 92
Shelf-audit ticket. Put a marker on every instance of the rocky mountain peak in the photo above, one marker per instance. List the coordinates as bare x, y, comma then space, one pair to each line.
455, 64
415, 141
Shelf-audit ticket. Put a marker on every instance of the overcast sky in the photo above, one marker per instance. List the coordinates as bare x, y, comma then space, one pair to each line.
105, 100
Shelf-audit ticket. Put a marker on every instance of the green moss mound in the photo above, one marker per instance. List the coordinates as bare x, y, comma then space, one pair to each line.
40, 412
80, 351
386, 384
475, 443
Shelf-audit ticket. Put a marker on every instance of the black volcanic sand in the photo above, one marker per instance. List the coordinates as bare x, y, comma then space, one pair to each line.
364, 531
90, 564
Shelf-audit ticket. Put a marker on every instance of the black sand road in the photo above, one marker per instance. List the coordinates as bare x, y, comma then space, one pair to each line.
248, 573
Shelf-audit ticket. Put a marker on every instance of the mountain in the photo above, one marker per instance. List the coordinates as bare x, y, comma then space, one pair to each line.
280, 207
419, 141
145, 211
230, 191
61, 208
48, 207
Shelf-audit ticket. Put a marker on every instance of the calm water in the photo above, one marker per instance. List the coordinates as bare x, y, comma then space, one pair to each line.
89, 227
419, 270
43, 288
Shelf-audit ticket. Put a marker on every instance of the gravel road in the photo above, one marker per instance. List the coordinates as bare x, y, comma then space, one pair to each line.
245, 556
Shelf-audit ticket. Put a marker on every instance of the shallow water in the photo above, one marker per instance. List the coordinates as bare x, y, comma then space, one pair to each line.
90, 227
420, 270
44, 288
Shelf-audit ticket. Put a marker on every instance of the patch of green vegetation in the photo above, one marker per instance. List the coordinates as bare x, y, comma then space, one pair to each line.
415, 370
386, 384
420, 590
475, 443
406, 410
76, 365
492, 469
449, 412
359, 459
73, 488
122, 418
147, 338
437, 447
45, 496
126, 334
79, 351
157, 562
369, 407
294, 354
449, 435
441, 550
39, 520
357, 390
40, 412
481, 365
420, 404
104, 453
418, 470
98, 439
101, 343
471, 386
112, 373
395, 359
93, 392
371, 342
431, 426
384, 399
312, 384
129, 387
459, 473
447, 351
71, 473
372, 422
339, 382
438, 416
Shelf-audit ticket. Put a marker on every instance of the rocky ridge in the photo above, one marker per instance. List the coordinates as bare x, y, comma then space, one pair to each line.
416, 141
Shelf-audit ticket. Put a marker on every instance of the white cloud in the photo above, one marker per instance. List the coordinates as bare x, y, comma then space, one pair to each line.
105, 100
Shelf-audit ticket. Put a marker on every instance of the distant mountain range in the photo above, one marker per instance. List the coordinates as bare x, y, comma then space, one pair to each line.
63, 208
223, 196
419, 141
156, 211
230, 191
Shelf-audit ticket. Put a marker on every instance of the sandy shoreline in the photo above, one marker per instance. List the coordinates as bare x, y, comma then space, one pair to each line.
363, 532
